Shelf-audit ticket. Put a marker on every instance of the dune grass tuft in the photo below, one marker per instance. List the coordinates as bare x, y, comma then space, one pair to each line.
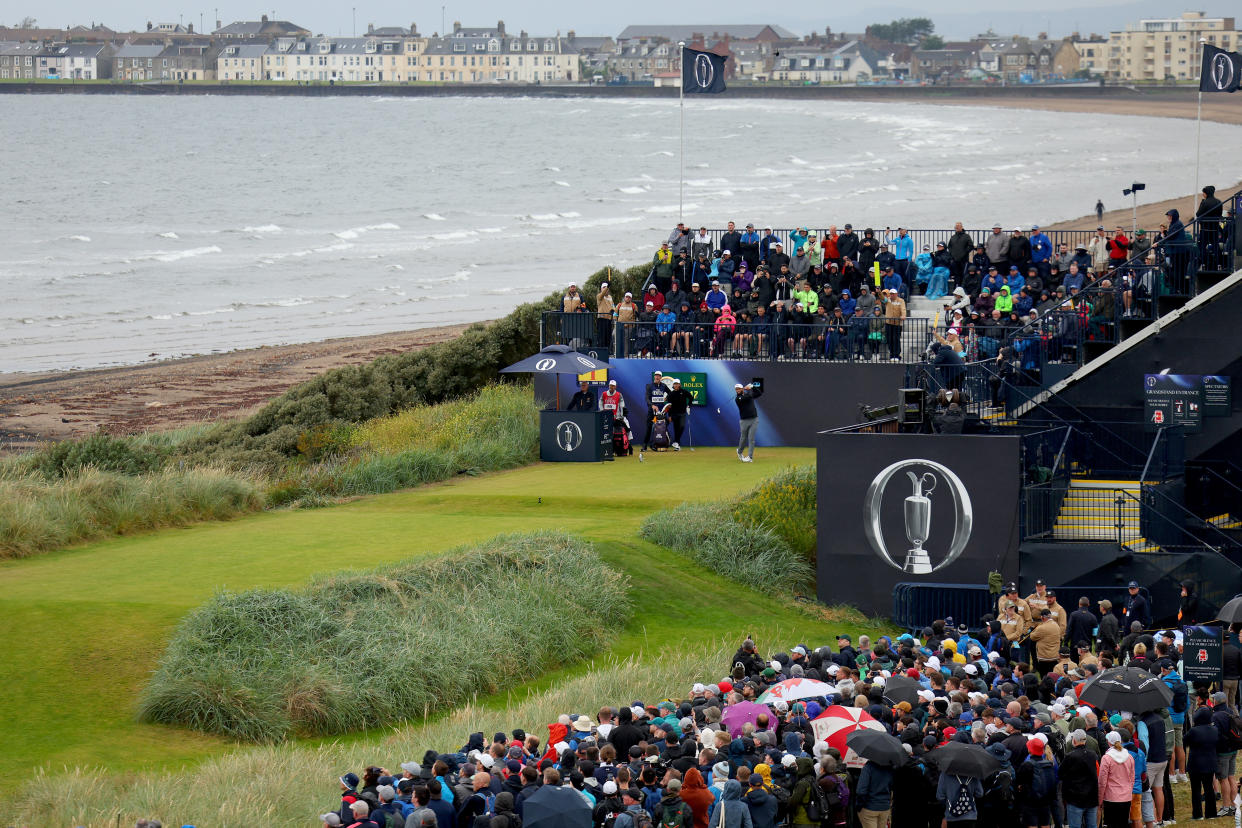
362, 649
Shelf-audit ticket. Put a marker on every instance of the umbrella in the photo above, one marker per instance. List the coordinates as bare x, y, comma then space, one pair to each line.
1127, 688
835, 725
1231, 612
902, 689
797, 688
556, 359
555, 807
961, 759
876, 746
737, 715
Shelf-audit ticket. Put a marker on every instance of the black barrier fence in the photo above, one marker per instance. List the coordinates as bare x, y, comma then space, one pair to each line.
818, 338
916, 605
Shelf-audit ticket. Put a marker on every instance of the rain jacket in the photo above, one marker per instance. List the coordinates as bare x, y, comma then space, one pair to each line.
1117, 776
736, 812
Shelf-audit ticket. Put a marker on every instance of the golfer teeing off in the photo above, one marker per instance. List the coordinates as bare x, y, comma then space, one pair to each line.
749, 419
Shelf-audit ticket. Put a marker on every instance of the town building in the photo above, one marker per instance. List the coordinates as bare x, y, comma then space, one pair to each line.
137, 62
1092, 55
262, 29
761, 32
475, 55
73, 61
241, 62
955, 61
17, 60
341, 59
845, 63
1167, 48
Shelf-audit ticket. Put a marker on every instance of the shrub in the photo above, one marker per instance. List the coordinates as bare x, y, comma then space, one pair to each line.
752, 555
357, 650
101, 451
37, 515
786, 505
325, 440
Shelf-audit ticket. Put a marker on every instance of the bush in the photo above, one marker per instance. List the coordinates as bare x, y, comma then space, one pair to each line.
357, 650
101, 451
37, 515
752, 555
786, 505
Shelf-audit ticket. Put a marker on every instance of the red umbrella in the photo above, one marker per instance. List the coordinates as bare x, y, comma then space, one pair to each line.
838, 722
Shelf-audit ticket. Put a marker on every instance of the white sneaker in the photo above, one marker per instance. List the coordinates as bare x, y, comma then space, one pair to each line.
676, 447
748, 459
740, 457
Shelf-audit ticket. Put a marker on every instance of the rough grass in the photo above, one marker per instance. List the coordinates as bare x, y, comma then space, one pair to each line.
287, 784
785, 504
358, 650
38, 515
753, 555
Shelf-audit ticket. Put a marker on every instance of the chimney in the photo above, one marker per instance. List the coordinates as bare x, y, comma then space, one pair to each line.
219, 25
500, 27
263, 19
522, 34
191, 30
571, 34
370, 28
413, 30
456, 26
149, 26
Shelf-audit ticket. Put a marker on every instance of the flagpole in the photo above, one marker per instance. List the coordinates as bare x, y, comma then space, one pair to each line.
681, 162
1198, 128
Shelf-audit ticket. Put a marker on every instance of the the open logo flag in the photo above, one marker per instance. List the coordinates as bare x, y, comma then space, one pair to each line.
1221, 71
702, 72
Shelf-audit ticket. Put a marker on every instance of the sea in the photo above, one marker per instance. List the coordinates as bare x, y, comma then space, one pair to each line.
141, 228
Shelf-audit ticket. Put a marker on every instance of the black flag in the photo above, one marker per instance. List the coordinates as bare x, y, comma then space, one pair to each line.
1221, 71
702, 71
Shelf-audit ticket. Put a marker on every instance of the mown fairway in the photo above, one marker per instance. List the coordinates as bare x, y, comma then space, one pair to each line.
83, 627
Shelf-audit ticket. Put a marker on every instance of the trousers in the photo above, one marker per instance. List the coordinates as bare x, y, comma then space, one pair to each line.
746, 435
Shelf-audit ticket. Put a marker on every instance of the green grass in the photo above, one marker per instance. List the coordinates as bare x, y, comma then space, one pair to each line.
354, 650
85, 627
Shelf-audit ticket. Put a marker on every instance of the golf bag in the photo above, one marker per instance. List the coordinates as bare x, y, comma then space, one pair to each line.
621, 438
659, 431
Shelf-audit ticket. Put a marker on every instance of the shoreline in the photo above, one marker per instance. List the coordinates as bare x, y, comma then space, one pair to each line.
163, 395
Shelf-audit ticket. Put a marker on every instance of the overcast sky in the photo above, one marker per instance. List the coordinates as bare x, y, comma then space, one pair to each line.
953, 18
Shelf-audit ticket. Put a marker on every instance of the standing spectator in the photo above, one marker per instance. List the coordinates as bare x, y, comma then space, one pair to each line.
662, 267
1210, 215
605, 316
960, 797
894, 321
1080, 626
777, 258
1231, 658
1201, 744
847, 244
1036, 783
903, 252
1188, 607
701, 243
874, 794
1019, 250
730, 811
1080, 787
1041, 252
1177, 714
1152, 731
997, 248
572, 299
1099, 210
1110, 628
1116, 783
748, 247
767, 243
960, 246
1136, 607
1098, 249
731, 240
1118, 249
1226, 751
832, 255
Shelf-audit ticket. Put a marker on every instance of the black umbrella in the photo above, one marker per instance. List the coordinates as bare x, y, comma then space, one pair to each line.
900, 689
961, 759
553, 807
1127, 688
1231, 612
876, 746
556, 359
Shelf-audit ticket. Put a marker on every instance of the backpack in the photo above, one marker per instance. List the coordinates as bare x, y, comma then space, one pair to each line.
781, 794
1000, 789
1043, 781
1180, 696
1056, 741
672, 817
641, 819
1233, 735
963, 803
816, 804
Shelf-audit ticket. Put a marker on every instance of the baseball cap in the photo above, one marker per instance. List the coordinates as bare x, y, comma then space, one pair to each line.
1132, 585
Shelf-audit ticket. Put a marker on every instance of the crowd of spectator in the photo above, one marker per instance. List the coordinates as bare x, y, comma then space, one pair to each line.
692, 762
836, 294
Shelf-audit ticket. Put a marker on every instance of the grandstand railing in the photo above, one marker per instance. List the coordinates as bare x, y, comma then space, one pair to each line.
866, 339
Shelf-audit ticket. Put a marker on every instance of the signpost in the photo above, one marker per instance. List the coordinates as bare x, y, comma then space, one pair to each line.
1173, 400
1201, 654
1217, 396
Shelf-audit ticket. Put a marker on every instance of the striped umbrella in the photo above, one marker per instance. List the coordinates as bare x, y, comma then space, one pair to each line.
836, 723
796, 688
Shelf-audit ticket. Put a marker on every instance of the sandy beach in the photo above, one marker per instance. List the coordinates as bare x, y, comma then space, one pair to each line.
174, 393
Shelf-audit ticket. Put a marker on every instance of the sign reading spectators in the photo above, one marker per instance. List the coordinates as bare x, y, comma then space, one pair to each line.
913, 508
1201, 654
1173, 399
1217, 396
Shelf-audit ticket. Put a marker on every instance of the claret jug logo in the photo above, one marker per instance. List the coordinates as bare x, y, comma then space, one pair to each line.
929, 483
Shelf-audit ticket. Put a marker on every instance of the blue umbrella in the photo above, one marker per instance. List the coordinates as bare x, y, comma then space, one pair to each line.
552, 807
